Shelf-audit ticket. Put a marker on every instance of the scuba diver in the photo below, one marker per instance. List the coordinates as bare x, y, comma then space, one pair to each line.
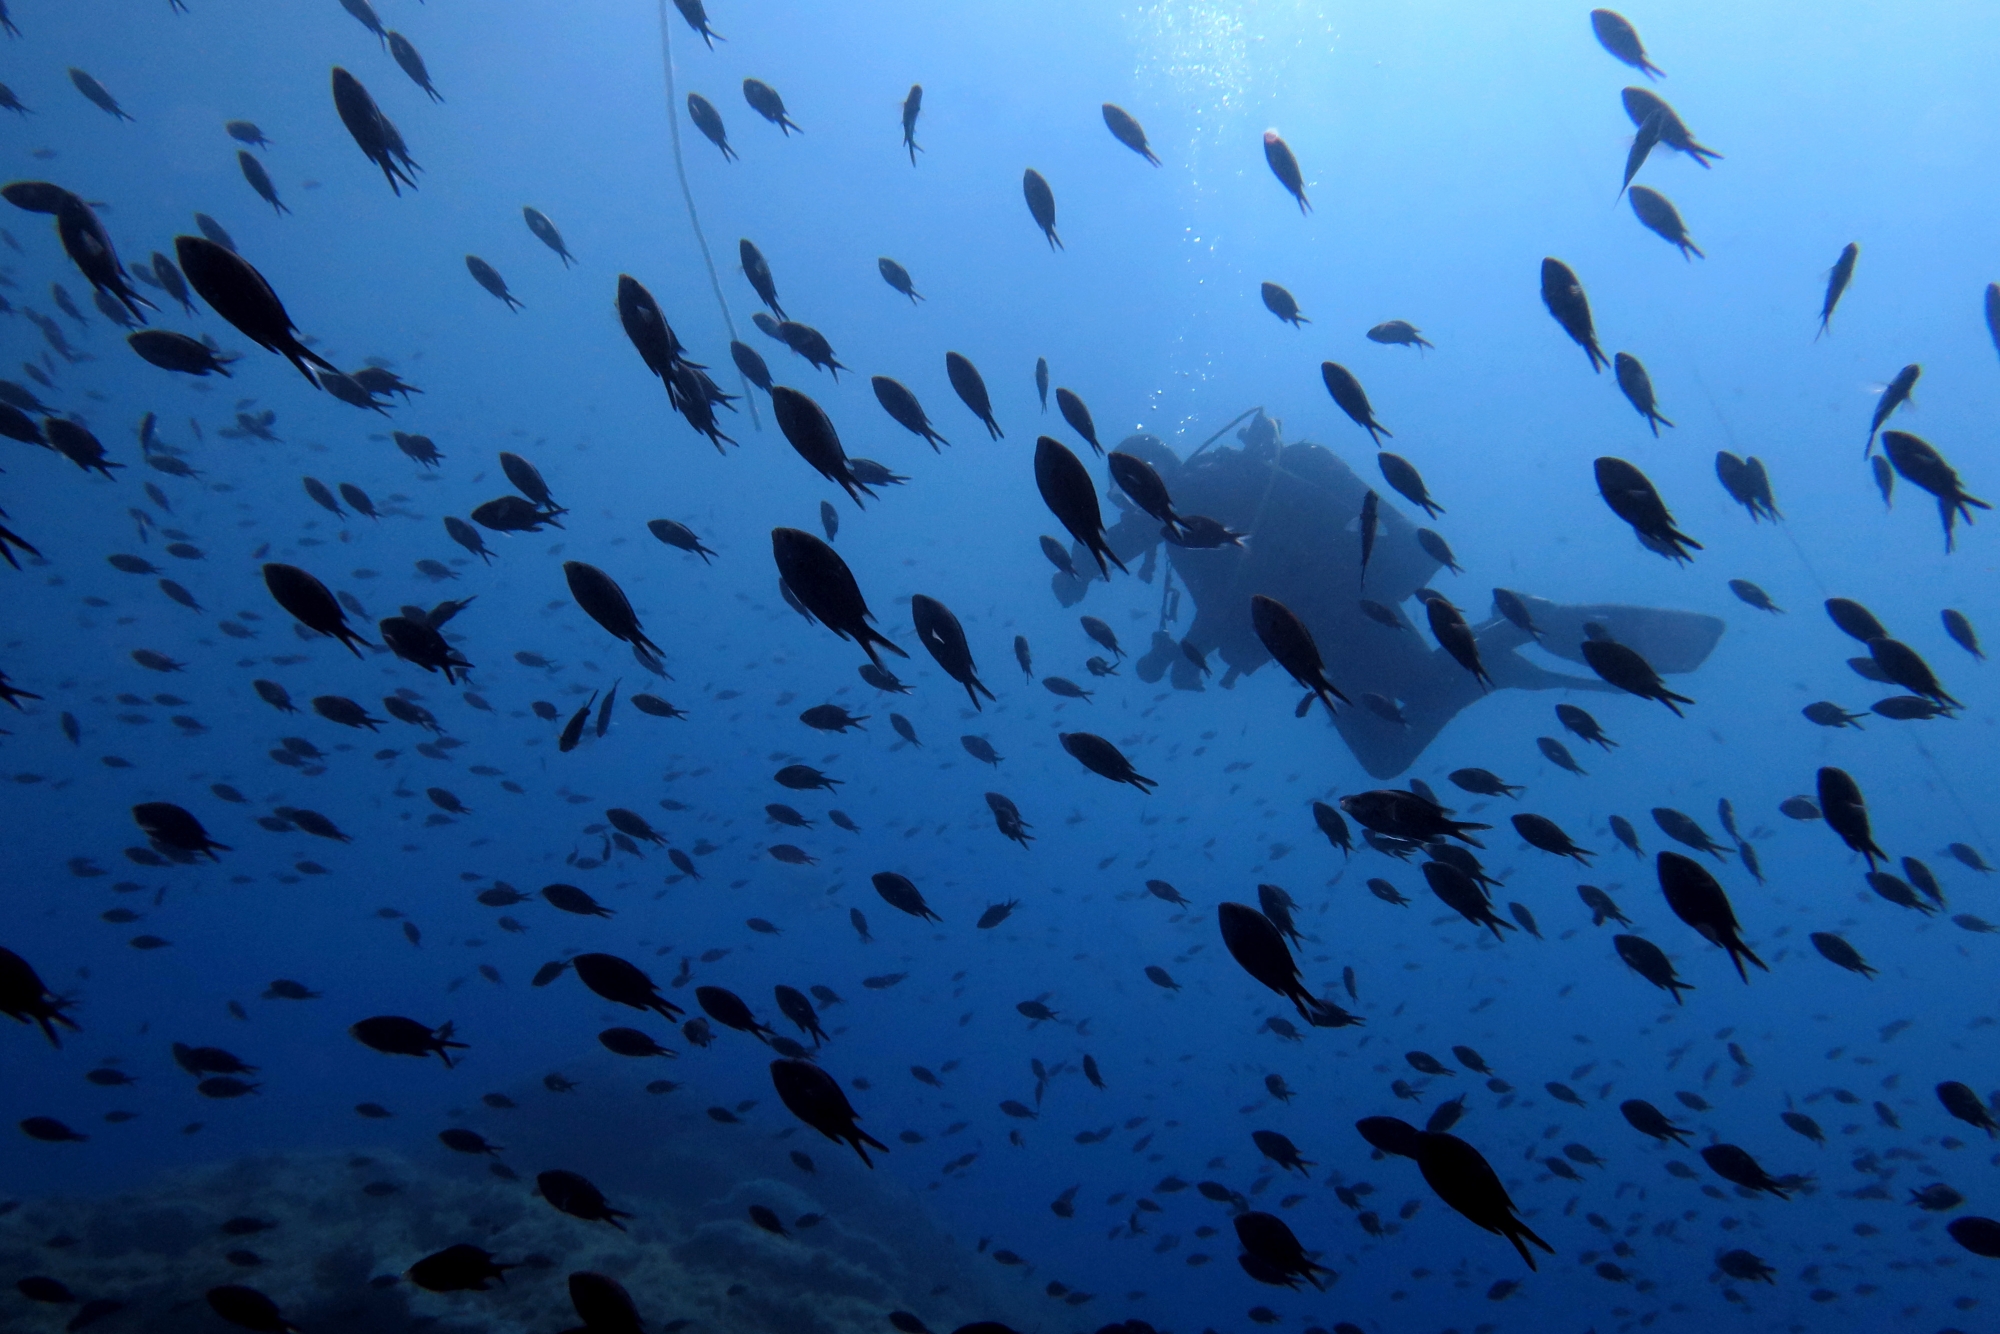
1285, 522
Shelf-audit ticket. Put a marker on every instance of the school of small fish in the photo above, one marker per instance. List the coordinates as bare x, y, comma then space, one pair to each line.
1698, 932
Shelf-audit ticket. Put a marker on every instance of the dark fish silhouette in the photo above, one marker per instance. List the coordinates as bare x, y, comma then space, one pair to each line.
1640, 105
1404, 479
1625, 668
1272, 1253
898, 277
1649, 961
1632, 498
1698, 899
680, 536
97, 93
1922, 466
623, 983
421, 643
1617, 35
1127, 131
1455, 637
315, 606
1959, 627
259, 179
489, 278
825, 587
1899, 664
813, 1096
1288, 641
1846, 814
175, 827
1539, 831
605, 602
394, 1035
1736, 1166
373, 132
1837, 280
709, 121
1077, 414
1649, 1120
913, 106
1142, 485
1408, 816
1457, 890
26, 999
1072, 497
971, 390
1637, 387
572, 1194
1564, 297
751, 365
902, 406
1835, 950
1643, 144
1894, 395
1463, 1179
412, 64
88, 246
545, 232
1102, 758
758, 270
74, 442
460, 1268
729, 1009
177, 352
940, 632
899, 893
1281, 303
1257, 945
1660, 217
1399, 333
696, 15
238, 293
810, 432
1041, 205
1353, 400
1749, 486
1855, 620
1278, 154
364, 14
764, 100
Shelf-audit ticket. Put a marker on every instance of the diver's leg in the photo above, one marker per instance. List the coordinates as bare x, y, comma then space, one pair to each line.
1431, 694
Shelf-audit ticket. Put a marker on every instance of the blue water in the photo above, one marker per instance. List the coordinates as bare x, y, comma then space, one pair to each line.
1446, 149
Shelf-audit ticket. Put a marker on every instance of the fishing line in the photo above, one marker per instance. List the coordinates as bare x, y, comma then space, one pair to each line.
1936, 769
694, 219
1781, 526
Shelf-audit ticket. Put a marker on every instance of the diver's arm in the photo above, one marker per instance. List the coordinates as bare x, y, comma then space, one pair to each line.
1133, 536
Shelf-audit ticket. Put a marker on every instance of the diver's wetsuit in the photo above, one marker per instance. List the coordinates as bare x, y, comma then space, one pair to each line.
1299, 507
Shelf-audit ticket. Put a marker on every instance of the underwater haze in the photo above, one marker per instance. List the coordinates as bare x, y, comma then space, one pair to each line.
739, 665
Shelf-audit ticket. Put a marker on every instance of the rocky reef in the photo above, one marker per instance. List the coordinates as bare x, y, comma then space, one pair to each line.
328, 1236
